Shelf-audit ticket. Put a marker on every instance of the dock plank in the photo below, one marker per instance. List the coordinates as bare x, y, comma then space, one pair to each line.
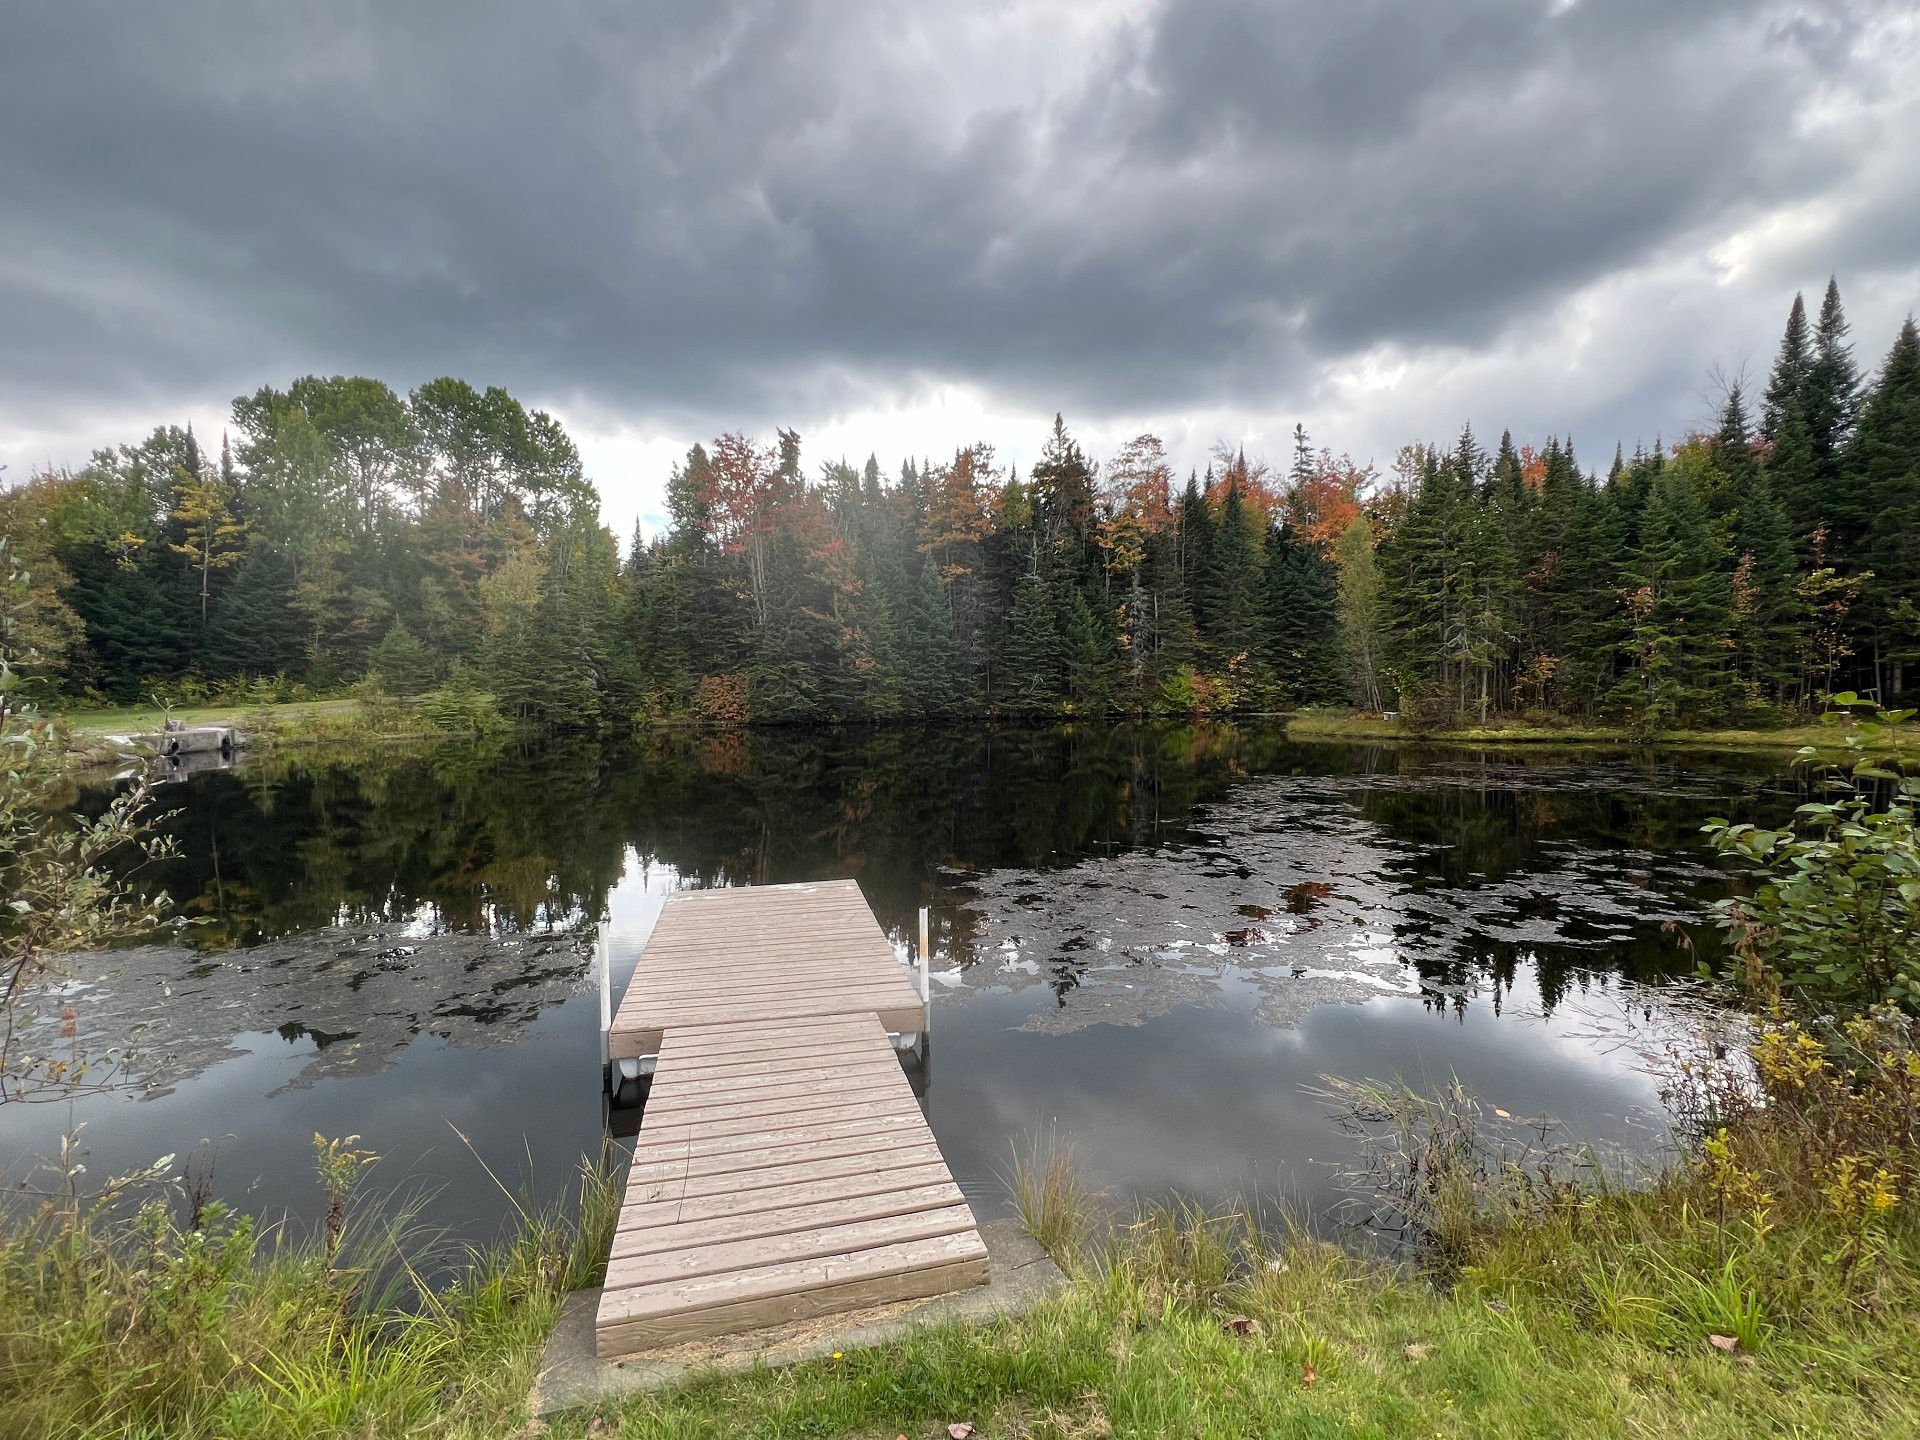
783, 1167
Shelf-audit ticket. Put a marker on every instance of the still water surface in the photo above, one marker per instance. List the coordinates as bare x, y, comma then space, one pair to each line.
1150, 943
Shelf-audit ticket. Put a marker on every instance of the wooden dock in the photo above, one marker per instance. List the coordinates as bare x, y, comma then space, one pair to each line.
783, 1168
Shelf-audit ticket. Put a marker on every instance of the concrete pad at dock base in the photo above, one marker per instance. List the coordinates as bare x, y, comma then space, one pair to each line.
1019, 1276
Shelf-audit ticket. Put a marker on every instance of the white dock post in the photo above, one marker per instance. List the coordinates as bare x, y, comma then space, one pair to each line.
602, 957
926, 973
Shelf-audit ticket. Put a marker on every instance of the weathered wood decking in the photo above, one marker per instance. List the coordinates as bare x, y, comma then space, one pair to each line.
762, 954
783, 1168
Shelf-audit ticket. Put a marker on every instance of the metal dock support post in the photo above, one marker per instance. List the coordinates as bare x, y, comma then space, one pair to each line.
602, 959
926, 974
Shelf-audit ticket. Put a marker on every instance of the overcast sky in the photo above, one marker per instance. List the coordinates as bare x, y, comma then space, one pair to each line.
900, 227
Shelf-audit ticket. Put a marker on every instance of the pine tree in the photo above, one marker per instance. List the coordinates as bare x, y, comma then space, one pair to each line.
1032, 657
1303, 621
1233, 601
933, 680
1786, 385
401, 664
1882, 476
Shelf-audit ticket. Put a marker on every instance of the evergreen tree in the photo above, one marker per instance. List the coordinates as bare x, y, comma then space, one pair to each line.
1681, 610
1832, 402
1733, 444
1032, 656
1303, 621
1786, 385
1882, 480
1763, 595
1091, 656
934, 682
254, 630
1594, 588
401, 664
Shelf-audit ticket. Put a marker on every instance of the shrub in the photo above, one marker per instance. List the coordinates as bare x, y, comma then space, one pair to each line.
1834, 919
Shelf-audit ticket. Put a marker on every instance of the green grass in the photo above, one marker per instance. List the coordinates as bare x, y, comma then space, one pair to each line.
136, 1327
1767, 1285
1346, 725
1192, 1326
93, 735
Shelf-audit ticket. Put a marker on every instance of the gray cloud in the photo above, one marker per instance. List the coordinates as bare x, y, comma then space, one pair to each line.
680, 215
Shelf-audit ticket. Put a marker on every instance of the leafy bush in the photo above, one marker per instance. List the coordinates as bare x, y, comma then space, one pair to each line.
1835, 917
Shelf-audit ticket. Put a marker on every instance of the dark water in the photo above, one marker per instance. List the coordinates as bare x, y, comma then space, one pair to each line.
1152, 943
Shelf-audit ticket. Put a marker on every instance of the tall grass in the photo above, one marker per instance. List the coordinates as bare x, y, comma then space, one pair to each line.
115, 1324
1053, 1202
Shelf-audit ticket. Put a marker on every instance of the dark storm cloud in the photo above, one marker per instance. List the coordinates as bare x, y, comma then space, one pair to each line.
690, 210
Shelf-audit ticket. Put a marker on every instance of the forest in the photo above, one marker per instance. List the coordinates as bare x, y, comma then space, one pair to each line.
449, 540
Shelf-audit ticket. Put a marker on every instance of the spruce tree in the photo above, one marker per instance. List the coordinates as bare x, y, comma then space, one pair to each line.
1787, 382
934, 683
1832, 393
401, 664
1733, 443
1233, 602
1304, 650
1032, 656
1593, 610
1091, 656
1883, 474
1682, 613
1764, 603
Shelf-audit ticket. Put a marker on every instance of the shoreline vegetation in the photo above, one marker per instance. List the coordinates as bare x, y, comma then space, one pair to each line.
92, 738
1765, 1281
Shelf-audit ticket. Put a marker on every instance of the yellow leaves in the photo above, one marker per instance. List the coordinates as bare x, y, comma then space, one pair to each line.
1788, 1057
1737, 1186
1855, 1194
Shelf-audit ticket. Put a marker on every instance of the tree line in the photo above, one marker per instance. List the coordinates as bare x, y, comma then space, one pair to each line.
450, 538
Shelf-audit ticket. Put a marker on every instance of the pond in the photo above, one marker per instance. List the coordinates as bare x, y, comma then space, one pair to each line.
1151, 943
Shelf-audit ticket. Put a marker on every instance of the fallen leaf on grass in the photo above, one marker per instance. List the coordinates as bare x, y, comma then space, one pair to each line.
1728, 1343
960, 1429
1419, 1350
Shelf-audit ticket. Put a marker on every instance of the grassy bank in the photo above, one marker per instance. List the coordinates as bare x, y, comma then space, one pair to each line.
132, 1324
1191, 1327
1766, 1284
1348, 725
97, 736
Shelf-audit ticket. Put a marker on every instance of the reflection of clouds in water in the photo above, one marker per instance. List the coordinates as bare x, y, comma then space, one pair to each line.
1285, 897
1216, 1104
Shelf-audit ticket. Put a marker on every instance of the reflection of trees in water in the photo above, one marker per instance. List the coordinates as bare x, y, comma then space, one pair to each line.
358, 904
500, 841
